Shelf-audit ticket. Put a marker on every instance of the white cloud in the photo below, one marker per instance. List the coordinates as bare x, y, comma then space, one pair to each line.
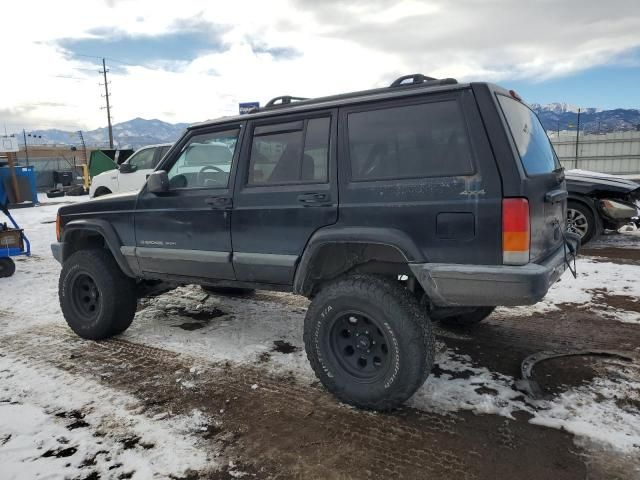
340, 46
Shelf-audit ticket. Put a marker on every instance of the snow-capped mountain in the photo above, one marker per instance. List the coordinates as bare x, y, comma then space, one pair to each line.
564, 116
130, 134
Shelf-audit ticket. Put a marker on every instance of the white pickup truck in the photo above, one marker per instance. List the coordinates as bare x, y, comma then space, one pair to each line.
131, 174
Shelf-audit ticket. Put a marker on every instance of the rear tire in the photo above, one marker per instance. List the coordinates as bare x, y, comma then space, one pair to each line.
368, 341
7, 267
97, 299
580, 220
227, 290
468, 319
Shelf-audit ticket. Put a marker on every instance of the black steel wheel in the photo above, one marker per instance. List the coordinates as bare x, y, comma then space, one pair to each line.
7, 267
85, 296
368, 341
359, 346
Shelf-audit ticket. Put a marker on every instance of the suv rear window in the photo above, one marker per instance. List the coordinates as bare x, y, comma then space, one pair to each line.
412, 141
531, 140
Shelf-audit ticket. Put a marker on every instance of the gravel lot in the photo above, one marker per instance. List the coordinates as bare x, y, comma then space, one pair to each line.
205, 386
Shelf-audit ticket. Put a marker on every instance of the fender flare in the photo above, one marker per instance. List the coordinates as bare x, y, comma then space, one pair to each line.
390, 237
107, 232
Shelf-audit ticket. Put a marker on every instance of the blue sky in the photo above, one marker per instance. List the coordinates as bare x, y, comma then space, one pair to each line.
605, 87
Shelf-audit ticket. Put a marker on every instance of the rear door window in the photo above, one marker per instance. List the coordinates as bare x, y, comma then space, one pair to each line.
535, 150
289, 153
412, 141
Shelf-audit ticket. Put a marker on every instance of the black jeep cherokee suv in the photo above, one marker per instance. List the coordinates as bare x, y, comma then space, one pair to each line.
387, 207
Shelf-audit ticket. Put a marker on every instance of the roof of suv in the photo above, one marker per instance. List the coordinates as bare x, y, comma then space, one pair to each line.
398, 88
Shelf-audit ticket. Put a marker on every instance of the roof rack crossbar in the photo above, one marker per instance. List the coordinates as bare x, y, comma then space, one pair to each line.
284, 100
417, 78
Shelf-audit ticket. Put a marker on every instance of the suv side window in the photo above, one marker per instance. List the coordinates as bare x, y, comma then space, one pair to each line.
290, 153
142, 159
205, 161
412, 141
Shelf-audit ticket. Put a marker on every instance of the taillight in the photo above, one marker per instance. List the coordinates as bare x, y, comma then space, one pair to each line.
58, 229
515, 231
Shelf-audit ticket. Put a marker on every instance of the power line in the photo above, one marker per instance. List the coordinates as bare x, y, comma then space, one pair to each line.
106, 96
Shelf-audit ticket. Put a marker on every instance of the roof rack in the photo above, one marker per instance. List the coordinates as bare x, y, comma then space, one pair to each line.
417, 78
406, 81
284, 100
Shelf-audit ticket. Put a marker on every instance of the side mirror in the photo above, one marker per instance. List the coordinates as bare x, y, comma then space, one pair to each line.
127, 168
158, 182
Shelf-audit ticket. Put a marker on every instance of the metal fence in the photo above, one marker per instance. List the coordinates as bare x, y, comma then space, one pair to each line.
44, 166
615, 153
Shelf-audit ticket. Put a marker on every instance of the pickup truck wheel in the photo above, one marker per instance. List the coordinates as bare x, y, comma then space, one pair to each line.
469, 318
97, 299
580, 220
368, 341
101, 191
7, 267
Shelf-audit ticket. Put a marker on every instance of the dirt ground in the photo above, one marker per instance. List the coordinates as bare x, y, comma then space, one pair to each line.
272, 424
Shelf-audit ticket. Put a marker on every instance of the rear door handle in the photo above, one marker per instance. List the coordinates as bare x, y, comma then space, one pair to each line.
314, 199
223, 203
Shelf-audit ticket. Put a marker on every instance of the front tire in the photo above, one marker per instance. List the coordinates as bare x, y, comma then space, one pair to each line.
368, 341
97, 299
7, 267
101, 191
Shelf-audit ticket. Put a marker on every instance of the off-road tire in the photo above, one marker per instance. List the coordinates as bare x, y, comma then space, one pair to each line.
116, 292
228, 290
397, 314
587, 213
468, 319
7, 267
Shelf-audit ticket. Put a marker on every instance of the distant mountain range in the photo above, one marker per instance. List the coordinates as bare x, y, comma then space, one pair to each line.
139, 131
131, 134
562, 116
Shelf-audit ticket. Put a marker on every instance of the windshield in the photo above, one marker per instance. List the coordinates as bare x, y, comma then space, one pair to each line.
531, 140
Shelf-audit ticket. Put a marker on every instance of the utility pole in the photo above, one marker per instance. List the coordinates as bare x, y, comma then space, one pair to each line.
84, 147
558, 129
577, 137
106, 96
26, 149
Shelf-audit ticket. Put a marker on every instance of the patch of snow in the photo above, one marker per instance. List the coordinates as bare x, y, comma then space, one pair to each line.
38, 438
620, 280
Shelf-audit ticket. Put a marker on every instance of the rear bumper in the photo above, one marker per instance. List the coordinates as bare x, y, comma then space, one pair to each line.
490, 285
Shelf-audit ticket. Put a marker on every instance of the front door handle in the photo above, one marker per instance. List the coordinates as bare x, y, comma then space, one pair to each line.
219, 202
316, 199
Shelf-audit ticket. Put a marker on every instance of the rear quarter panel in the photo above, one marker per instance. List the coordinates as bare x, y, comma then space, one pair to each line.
453, 219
